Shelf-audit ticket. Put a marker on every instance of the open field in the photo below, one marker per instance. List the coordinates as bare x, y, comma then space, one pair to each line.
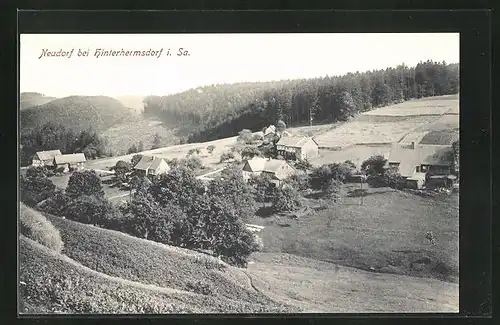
425, 106
442, 131
104, 271
357, 154
361, 131
324, 287
175, 151
121, 137
386, 233
407, 122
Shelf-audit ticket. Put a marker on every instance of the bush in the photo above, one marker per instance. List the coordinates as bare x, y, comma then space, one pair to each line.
392, 177
226, 156
211, 149
86, 182
248, 152
89, 209
36, 227
245, 136
193, 163
286, 199
36, 187
55, 205
374, 165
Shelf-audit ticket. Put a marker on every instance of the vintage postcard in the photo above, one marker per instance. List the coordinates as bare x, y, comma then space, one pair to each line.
239, 173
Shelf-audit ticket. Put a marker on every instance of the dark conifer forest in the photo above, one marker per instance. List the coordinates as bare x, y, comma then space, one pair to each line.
219, 111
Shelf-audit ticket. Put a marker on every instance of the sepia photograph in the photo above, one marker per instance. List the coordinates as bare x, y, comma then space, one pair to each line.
239, 173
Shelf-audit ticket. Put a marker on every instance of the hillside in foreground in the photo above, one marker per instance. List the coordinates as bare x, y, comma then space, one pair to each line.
31, 99
77, 113
104, 271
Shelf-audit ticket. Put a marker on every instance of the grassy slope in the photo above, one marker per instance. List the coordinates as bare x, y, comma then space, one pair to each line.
77, 112
299, 284
52, 282
131, 258
27, 100
122, 136
324, 287
386, 233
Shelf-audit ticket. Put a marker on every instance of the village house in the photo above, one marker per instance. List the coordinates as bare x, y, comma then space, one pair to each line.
423, 164
278, 170
44, 158
69, 162
150, 165
270, 133
297, 148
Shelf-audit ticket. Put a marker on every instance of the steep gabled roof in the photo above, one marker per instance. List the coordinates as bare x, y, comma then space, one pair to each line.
144, 163
48, 155
70, 158
295, 142
148, 162
271, 166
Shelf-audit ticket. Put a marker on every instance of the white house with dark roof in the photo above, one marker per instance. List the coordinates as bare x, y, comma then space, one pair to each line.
278, 170
150, 165
417, 163
44, 158
73, 161
297, 148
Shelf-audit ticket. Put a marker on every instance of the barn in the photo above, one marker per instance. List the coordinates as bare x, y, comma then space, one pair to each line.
44, 158
418, 164
278, 170
70, 162
297, 148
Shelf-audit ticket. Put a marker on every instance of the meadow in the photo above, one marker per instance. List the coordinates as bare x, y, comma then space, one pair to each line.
405, 122
384, 231
104, 271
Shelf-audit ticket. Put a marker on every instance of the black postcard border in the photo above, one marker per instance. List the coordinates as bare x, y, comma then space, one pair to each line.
475, 132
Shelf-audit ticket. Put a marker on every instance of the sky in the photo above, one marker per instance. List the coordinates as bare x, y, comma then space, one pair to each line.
212, 59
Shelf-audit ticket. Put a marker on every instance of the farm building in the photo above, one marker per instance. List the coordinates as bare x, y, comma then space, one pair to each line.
415, 162
297, 148
150, 165
270, 133
278, 170
44, 158
73, 161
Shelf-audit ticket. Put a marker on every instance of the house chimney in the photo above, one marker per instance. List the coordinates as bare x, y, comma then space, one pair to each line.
413, 145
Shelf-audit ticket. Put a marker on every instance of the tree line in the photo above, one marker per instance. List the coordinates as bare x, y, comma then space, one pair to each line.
52, 136
218, 111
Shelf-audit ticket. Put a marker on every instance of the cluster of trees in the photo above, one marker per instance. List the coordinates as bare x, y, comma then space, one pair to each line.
51, 136
174, 208
219, 111
378, 174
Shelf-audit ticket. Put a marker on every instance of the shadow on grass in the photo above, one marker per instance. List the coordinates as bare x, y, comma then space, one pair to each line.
363, 193
264, 211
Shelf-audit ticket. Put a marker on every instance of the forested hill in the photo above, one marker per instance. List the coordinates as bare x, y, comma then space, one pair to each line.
77, 113
219, 111
31, 99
